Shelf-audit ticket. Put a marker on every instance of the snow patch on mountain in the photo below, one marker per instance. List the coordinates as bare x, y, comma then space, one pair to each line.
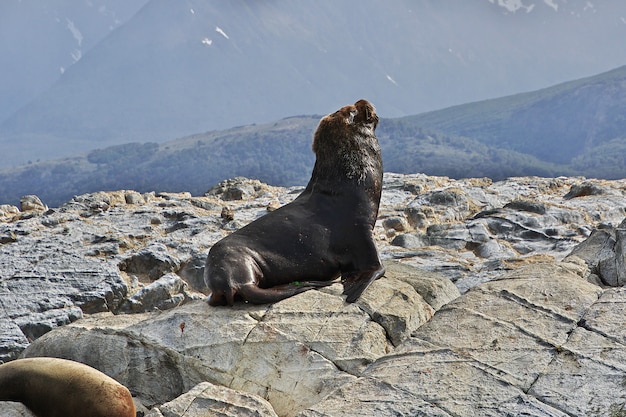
221, 32
552, 4
75, 32
392, 80
514, 5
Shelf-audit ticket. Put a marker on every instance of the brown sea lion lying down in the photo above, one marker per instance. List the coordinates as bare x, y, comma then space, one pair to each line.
52, 387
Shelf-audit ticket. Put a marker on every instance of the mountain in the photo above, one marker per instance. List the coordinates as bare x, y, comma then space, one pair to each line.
41, 39
177, 68
571, 123
574, 128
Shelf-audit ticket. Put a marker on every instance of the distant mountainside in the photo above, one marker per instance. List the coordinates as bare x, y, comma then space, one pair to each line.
575, 128
176, 68
40, 39
581, 123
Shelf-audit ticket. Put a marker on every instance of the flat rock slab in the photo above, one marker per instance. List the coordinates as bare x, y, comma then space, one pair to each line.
208, 399
541, 341
293, 353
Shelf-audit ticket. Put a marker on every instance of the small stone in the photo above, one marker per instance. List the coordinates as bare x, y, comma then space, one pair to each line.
396, 223
133, 197
408, 240
227, 214
32, 203
273, 205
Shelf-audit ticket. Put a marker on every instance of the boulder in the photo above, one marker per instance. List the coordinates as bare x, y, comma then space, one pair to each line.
605, 253
208, 399
13, 409
167, 292
154, 260
434, 288
292, 353
524, 344
32, 203
114, 279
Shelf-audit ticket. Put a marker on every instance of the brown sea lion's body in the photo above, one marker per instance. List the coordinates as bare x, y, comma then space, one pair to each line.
325, 233
52, 387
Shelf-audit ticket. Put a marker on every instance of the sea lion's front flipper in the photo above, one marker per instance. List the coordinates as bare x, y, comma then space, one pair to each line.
354, 284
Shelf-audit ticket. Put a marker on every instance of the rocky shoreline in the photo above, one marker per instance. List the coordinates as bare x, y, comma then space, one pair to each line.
114, 279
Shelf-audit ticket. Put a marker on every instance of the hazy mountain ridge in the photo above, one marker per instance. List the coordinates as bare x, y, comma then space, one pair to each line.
39, 40
472, 140
176, 68
556, 124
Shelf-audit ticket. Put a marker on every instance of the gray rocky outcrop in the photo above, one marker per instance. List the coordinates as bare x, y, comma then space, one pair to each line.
605, 253
114, 279
208, 399
292, 353
528, 343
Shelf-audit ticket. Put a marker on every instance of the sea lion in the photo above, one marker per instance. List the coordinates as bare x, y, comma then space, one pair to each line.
52, 387
326, 232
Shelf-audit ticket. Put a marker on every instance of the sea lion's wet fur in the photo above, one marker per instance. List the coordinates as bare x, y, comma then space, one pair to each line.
52, 387
326, 232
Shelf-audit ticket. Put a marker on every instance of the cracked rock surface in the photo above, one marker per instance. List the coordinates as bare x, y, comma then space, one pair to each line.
527, 343
114, 280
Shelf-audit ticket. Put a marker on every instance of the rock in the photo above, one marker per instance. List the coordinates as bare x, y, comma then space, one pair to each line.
153, 261
208, 399
273, 205
344, 334
605, 253
398, 224
396, 306
32, 203
192, 272
526, 205
66, 273
133, 197
293, 353
408, 240
239, 188
434, 288
227, 214
584, 189
495, 249
165, 293
7, 210
415, 218
520, 345
160, 359
13, 409
449, 197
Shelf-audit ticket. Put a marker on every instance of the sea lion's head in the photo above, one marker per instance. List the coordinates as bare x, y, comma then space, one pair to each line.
346, 148
366, 115
335, 129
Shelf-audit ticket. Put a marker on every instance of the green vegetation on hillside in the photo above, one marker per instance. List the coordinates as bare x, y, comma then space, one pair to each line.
278, 154
576, 128
555, 124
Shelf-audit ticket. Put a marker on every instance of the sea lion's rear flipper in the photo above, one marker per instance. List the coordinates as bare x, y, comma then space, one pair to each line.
256, 295
354, 284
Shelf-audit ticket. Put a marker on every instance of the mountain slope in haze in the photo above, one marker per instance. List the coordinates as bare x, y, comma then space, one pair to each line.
40, 39
563, 124
582, 119
277, 153
177, 68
